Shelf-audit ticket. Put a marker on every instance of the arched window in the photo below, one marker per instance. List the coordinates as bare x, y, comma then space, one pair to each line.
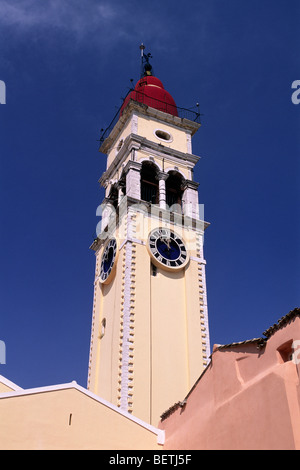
173, 188
149, 183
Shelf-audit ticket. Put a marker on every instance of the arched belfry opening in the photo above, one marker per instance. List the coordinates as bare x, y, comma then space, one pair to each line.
113, 196
174, 189
149, 182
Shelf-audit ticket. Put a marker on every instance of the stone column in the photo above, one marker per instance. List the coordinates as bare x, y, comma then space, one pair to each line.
120, 186
162, 177
106, 210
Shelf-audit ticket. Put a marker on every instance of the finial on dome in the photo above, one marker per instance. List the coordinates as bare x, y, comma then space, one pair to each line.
142, 47
146, 67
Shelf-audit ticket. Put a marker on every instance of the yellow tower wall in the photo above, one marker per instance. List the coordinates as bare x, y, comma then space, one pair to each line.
167, 344
154, 342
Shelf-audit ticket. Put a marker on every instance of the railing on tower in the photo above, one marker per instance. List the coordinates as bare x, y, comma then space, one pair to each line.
142, 98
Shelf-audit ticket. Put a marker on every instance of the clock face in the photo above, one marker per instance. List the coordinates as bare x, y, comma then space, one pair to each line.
167, 249
108, 261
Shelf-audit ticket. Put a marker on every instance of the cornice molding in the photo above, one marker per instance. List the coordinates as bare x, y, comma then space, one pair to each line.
134, 107
134, 141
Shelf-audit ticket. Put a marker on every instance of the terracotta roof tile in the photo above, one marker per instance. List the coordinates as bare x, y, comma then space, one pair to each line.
282, 322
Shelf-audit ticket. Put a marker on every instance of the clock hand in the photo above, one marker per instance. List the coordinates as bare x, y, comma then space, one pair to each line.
166, 241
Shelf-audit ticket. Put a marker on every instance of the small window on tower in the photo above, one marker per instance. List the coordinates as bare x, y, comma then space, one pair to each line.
163, 135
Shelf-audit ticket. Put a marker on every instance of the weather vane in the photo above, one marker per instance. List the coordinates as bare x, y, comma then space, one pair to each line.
146, 67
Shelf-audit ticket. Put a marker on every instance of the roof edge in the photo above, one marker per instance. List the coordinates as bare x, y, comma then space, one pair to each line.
73, 385
9, 383
283, 321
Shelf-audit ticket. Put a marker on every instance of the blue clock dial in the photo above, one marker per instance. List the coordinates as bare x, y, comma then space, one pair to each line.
108, 260
167, 248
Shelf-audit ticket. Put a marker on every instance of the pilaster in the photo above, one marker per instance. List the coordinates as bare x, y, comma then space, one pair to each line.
190, 201
132, 171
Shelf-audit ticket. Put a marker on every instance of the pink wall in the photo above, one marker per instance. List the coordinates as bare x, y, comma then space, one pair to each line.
248, 398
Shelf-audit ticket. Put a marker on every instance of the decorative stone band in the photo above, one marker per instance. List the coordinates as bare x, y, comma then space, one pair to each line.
127, 321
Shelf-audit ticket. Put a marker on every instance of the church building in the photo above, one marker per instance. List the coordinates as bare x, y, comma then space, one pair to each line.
153, 383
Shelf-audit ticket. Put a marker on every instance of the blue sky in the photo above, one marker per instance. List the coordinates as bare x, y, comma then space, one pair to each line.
66, 66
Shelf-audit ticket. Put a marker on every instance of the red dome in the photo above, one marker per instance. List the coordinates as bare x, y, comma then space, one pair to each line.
150, 91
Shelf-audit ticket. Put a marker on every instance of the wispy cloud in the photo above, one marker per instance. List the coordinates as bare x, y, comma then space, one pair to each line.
107, 24
76, 16
82, 17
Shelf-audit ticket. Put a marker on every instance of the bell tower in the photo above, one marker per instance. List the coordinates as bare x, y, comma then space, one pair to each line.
150, 336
